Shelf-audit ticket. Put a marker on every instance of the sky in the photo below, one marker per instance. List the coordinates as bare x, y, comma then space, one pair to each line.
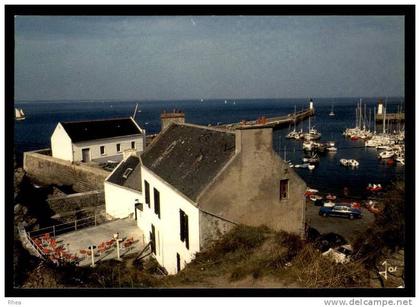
209, 57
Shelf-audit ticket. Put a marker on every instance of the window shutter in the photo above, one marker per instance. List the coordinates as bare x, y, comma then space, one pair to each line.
181, 225
187, 240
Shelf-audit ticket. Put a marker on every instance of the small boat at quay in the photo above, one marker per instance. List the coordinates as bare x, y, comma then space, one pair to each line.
386, 154
331, 149
311, 167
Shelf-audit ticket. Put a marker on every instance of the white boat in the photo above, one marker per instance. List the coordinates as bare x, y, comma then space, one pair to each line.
293, 135
349, 162
312, 133
332, 111
304, 165
353, 163
311, 167
386, 154
19, 115
332, 149
344, 162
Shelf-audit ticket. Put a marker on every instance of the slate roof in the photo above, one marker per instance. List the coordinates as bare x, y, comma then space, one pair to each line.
100, 129
133, 180
188, 157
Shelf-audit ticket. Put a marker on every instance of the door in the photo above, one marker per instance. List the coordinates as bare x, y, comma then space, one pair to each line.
85, 155
138, 207
152, 235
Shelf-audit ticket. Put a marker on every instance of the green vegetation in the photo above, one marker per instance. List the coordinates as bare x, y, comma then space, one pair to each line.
387, 233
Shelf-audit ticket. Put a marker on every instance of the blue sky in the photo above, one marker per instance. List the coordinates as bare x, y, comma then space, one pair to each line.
191, 57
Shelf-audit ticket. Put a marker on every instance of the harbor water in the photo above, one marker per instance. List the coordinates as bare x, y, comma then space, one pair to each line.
329, 176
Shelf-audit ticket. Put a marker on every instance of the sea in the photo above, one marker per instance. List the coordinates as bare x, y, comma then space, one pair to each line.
329, 176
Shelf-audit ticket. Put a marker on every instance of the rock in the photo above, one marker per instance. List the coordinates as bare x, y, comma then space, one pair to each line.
32, 221
24, 224
24, 210
17, 208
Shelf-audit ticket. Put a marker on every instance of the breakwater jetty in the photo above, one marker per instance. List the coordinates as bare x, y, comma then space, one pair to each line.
273, 122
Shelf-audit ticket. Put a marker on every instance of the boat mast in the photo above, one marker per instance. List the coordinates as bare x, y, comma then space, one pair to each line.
374, 119
383, 121
357, 123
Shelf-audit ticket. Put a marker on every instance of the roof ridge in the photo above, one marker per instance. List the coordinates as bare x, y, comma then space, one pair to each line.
95, 120
205, 127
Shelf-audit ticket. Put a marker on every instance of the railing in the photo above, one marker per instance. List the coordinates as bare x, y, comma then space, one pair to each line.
59, 229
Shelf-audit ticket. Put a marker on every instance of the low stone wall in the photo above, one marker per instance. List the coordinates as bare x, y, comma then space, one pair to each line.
77, 201
23, 236
49, 170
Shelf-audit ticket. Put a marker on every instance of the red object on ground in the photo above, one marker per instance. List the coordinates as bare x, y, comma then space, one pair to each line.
354, 138
46, 250
390, 162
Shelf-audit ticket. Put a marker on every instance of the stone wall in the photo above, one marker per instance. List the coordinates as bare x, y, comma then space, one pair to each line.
247, 191
46, 169
77, 201
212, 228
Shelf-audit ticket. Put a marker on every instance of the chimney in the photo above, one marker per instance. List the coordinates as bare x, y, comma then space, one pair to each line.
253, 140
129, 152
166, 118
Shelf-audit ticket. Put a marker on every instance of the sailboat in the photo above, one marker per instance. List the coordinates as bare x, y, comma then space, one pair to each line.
332, 111
293, 134
312, 134
19, 115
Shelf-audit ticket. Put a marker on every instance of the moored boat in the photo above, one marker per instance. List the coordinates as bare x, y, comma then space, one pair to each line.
386, 154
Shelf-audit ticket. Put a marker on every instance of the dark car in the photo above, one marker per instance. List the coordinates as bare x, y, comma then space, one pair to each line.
341, 211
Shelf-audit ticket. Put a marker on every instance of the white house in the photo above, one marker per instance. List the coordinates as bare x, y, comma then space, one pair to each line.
194, 183
96, 140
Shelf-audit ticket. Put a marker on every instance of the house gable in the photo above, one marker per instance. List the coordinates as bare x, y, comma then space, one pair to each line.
248, 189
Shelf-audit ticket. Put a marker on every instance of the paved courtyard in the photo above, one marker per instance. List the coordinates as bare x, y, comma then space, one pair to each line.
77, 241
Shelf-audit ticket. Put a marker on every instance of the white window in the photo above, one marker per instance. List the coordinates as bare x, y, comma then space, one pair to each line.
127, 172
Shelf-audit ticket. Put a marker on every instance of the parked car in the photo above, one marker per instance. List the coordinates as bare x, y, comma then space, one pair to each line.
341, 254
341, 211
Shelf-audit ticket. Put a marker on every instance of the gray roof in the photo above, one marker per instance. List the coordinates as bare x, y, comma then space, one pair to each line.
81, 131
132, 179
188, 157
